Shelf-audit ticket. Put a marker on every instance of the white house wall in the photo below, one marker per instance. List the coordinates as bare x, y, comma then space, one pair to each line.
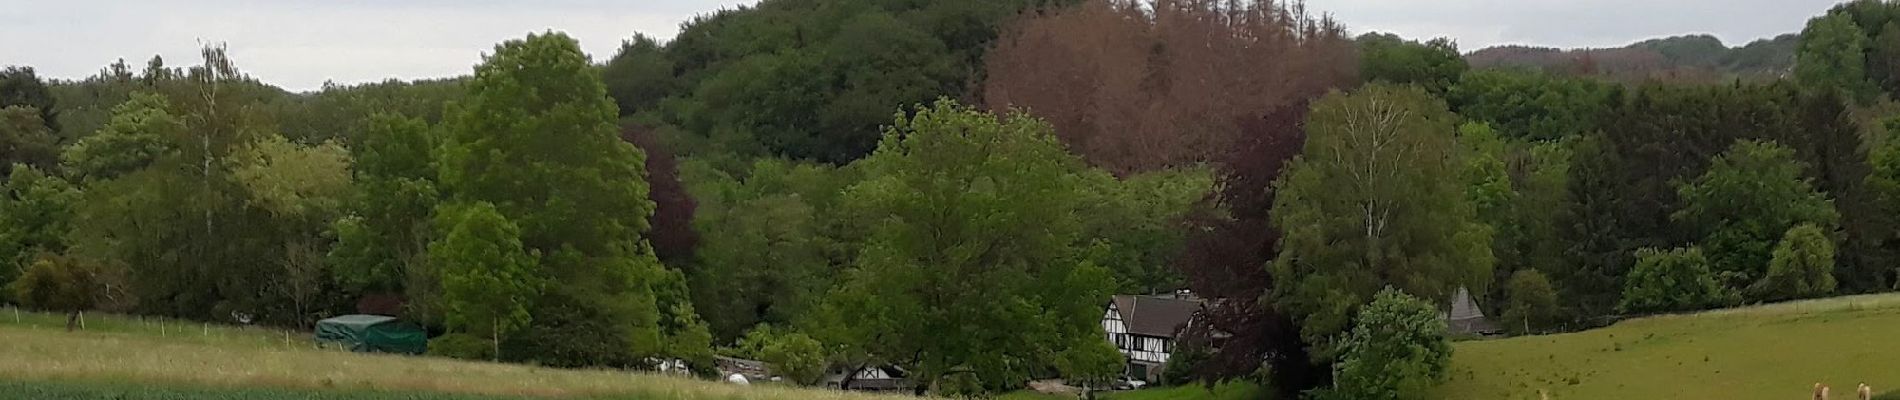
1144, 349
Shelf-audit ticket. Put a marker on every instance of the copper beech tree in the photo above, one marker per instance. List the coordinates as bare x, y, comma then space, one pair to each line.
1137, 86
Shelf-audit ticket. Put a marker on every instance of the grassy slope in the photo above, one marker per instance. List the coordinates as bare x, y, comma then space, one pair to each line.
1769, 352
117, 352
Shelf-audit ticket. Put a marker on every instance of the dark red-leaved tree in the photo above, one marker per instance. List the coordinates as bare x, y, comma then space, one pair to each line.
671, 226
1136, 86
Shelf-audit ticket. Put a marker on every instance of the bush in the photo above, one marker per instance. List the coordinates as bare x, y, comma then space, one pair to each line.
1673, 280
797, 357
1396, 350
463, 346
1181, 364
1531, 303
1802, 267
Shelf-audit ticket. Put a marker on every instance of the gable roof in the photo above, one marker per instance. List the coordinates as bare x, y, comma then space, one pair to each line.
1158, 316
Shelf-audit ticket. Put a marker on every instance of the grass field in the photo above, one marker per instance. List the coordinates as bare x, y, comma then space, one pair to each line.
113, 356
1771, 352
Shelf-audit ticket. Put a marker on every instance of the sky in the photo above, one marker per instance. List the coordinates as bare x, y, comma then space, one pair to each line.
300, 44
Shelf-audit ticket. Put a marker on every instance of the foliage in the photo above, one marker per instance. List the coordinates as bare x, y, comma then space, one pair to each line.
768, 246
1435, 65
1673, 280
35, 213
1182, 363
489, 282
797, 357
1135, 89
1374, 201
21, 87
139, 133
575, 209
1090, 363
1802, 266
639, 75
463, 346
1830, 56
382, 239
1140, 220
25, 139
1531, 105
1397, 350
1531, 302
63, 284
975, 268
1750, 195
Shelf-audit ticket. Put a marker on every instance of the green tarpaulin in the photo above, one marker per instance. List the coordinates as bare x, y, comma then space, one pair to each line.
372, 333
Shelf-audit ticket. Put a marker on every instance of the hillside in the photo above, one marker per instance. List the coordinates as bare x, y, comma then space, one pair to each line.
1701, 57
1774, 351
170, 359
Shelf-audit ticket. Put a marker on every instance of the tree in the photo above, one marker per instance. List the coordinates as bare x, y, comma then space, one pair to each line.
140, 132
1831, 56
1397, 350
1374, 201
795, 356
489, 282
21, 87
1091, 363
1802, 266
1531, 302
382, 240
24, 139
639, 76
1136, 87
1750, 196
303, 188
1532, 105
35, 213
1673, 280
765, 253
1141, 218
672, 232
974, 270
535, 137
60, 284
1435, 65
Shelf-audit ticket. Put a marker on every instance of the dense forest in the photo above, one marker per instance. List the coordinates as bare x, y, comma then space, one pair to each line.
957, 187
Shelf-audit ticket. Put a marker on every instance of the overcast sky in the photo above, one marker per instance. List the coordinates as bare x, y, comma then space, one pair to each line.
299, 44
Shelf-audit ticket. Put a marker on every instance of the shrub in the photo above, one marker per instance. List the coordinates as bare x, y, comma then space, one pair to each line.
1396, 350
463, 346
1802, 266
1673, 280
797, 357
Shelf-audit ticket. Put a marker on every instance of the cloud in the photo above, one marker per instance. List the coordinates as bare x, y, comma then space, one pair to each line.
300, 44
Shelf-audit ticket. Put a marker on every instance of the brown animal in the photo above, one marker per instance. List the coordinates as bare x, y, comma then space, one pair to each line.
1866, 392
1820, 391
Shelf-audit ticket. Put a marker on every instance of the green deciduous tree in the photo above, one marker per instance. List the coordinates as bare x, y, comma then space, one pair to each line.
1435, 65
639, 76
1091, 363
1375, 200
61, 284
1749, 197
1802, 266
795, 356
35, 213
1831, 55
536, 138
25, 139
1673, 280
1397, 350
21, 87
974, 270
1530, 302
384, 234
140, 132
489, 281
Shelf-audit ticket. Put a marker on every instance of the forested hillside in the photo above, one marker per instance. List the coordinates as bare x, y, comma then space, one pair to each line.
956, 188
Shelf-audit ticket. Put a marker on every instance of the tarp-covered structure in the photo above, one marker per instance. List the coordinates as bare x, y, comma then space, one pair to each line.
372, 333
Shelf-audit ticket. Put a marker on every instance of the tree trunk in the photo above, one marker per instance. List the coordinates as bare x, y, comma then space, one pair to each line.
495, 337
72, 321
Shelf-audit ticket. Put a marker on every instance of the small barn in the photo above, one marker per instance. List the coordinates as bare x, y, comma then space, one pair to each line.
1465, 318
372, 333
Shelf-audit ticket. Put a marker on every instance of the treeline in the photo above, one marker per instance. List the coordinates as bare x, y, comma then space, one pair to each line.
957, 187
1689, 58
